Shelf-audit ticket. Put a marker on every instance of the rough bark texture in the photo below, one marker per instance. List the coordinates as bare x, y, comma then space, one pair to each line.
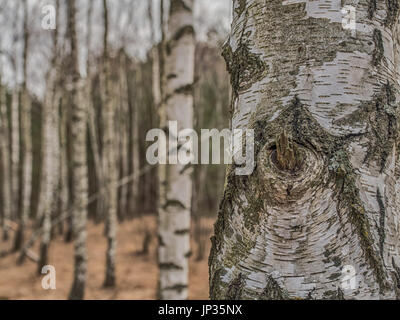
325, 192
78, 166
175, 180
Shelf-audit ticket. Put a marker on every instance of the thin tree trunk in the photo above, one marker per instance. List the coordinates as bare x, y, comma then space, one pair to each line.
25, 156
323, 199
63, 167
175, 180
122, 119
51, 155
79, 164
14, 152
133, 146
109, 158
5, 167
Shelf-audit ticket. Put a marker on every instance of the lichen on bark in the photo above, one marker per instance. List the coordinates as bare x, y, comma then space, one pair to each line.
297, 226
393, 9
244, 67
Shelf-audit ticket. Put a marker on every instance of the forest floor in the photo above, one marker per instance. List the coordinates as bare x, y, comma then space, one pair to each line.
136, 274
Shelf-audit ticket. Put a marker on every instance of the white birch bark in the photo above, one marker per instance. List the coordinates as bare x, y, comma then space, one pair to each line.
50, 165
175, 180
49, 192
79, 164
324, 197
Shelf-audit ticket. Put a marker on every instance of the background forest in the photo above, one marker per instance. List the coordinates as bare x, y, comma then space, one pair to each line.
105, 56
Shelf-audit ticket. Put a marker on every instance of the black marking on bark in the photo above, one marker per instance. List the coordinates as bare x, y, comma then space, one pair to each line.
273, 291
310, 294
181, 32
235, 288
179, 5
169, 266
173, 203
379, 50
186, 167
178, 287
244, 66
171, 76
161, 242
188, 254
381, 227
181, 232
186, 89
393, 9
371, 8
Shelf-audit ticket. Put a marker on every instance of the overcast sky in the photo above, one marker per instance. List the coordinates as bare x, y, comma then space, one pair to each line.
129, 27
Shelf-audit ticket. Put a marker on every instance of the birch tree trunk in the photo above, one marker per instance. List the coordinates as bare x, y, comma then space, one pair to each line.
133, 133
14, 151
79, 164
324, 197
110, 169
175, 179
25, 155
5, 167
48, 200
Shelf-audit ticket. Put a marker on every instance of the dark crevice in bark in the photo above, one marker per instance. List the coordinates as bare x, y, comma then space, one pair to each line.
273, 291
393, 9
379, 50
235, 288
381, 226
334, 294
372, 5
287, 156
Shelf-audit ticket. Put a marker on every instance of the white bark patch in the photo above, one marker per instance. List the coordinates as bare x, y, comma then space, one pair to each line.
335, 89
328, 9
